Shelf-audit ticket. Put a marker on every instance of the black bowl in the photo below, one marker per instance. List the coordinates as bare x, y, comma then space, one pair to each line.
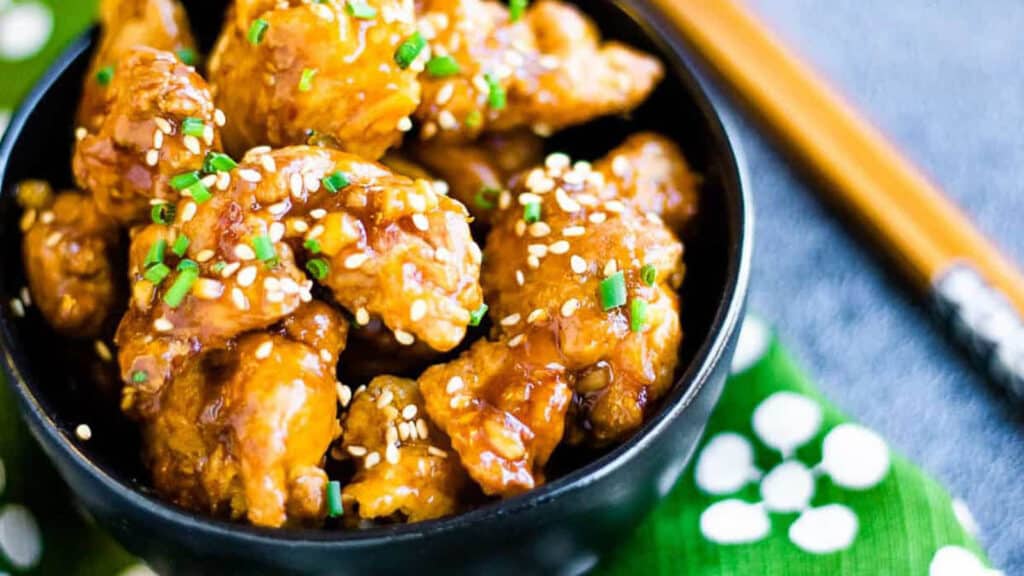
561, 527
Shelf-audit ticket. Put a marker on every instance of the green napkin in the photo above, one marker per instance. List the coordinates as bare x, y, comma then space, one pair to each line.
783, 484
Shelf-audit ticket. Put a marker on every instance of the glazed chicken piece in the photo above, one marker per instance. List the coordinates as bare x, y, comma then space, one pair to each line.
476, 173
504, 406
127, 24
405, 466
68, 247
242, 431
289, 69
546, 70
161, 123
600, 273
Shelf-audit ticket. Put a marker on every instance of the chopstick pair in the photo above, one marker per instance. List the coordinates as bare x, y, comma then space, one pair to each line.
976, 289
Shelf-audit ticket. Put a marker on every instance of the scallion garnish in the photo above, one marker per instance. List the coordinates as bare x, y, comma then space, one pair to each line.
184, 180
219, 266
257, 30
361, 10
484, 198
313, 245
477, 316
193, 127
409, 49
474, 119
180, 245
334, 505
613, 291
181, 287
263, 247
318, 267
156, 273
443, 66
496, 98
531, 212
199, 192
105, 75
186, 55
306, 81
637, 314
156, 253
187, 264
139, 376
162, 213
516, 8
218, 162
648, 274
335, 182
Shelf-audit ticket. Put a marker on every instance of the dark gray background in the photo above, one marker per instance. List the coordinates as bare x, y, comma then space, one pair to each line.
945, 80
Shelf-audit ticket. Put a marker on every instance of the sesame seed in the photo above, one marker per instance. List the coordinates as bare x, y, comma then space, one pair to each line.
250, 175
458, 402
356, 260
403, 431
223, 180
192, 144
391, 435
520, 227
83, 431
230, 269
404, 338
326, 355
267, 161
208, 135
516, 340
539, 229
81, 133
578, 264
239, 299
26, 295
372, 459
560, 247
417, 203
557, 161
258, 150
444, 95
103, 351
158, 139
421, 222
410, 431
511, 320
538, 250
573, 231
504, 199
421, 428
549, 62
316, 231
611, 267
566, 203
276, 231
440, 187
208, 289
53, 239
409, 412
418, 310
209, 180
362, 316
264, 350
533, 262
404, 124
344, 394
428, 131
434, 451
17, 308
555, 366
520, 280
538, 315
455, 383
598, 217
582, 166
529, 198
188, 211
219, 118
246, 276
391, 454
163, 126
620, 166
446, 120
276, 297
311, 181
298, 225
152, 157
357, 451
27, 219
614, 206
573, 178
569, 307
244, 252
163, 325
441, 254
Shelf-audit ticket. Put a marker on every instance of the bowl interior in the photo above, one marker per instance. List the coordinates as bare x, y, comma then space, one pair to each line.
72, 386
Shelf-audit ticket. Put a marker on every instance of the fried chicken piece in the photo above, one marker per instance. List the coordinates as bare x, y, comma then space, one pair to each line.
141, 143
477, 172
579, 270
405, 465
504, 406
127, 24
545, 71
316, 67
649, 172
242, 431
68, 247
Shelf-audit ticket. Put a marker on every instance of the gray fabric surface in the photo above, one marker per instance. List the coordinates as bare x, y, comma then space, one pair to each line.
945, 80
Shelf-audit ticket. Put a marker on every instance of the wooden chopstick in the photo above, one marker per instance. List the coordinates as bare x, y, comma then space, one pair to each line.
941, 252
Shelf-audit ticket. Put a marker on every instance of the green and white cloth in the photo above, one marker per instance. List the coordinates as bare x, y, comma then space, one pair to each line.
782, 485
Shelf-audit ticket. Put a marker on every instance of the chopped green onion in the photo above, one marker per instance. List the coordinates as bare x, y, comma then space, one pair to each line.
156, 253
180, 245
263, 247
496, 93
313, 245
477, 316
162, 213
483, 198
360, 10
256, 31
219, 266
218, 162
105, 75
516, 8
613, 291
181, 287
443, 66
187, 264
648, 274
335, 182
186, 55
156, 273
409, 49
306, 81
474, 119
318, 268
139, 376
193, 127
334, 506
531, 212
637, 314
184, 180
199, 192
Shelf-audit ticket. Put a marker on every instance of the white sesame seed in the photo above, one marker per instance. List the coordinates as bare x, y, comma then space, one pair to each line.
582, 166
566, 203
455, 383
511, 320
578, 264
246, 276
441, 254
440, 187
163, 325
354, 261
598, 217
244, 252
533, 262
276, 296
409, 412
520, 280
620, 166
573, 178
209, 180
560, 247
311, 181
385, 398
404, 338
391, 453
372, 459
192, 144
53, 239
276, 231
250, 175
256, 151
81, 133
516, 340
84, 432
418, 310
152, 157
391, 435
458, 402
263, 350
539, 229
362, 316
188, 211
569, 307
163, 126
267, 161
504, 199
17, 308
520, 227
446, 120
357, 451
555, 366
404, 124
421, 222
573, 231
586, 199
435, 451
611, 267
316, 231
417, 203
158, 139
614, 206
403, 430
444, 95
557, 161
421, 428
537, 315
208, 135
219, 118
238, 299
344, 394
26, 295
223, 180
103, 351
230, 269
208, 289
538, 250
529, 198
298, 225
